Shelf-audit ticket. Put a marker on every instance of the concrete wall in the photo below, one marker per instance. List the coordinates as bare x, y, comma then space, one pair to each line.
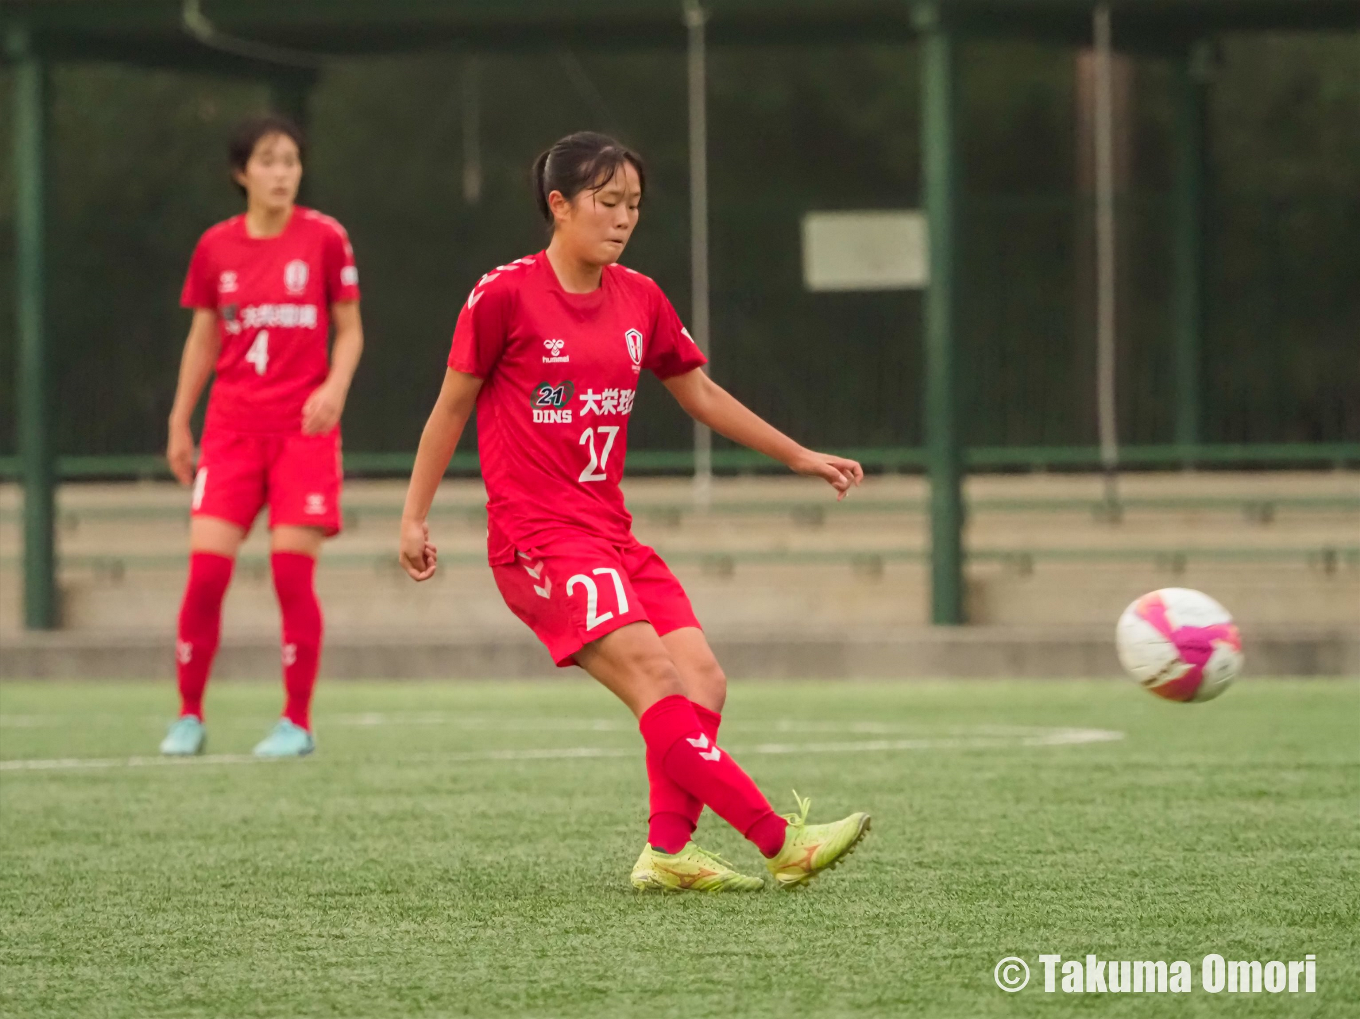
786, 581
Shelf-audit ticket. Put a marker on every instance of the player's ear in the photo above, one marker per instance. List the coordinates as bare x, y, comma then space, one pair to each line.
559, 205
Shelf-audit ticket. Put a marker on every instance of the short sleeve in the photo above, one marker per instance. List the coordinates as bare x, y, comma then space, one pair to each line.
200, 289
671, 351
480, 336
342, 275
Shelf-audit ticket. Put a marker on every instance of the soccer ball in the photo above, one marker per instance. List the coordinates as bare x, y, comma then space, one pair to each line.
1180, 644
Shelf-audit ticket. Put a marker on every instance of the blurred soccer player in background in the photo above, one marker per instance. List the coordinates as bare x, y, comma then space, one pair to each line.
265, 288
548, 349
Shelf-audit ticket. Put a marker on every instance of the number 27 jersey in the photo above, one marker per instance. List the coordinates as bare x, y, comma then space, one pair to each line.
560, 376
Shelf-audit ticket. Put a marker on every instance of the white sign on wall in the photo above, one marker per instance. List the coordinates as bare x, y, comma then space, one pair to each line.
870, 249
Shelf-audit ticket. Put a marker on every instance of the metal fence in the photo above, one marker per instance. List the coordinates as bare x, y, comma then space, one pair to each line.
136, 175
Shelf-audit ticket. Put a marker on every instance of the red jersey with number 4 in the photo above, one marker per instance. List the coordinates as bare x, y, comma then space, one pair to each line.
560, 375
273, 297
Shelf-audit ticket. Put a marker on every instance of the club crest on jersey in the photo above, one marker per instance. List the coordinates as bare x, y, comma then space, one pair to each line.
549, 401
555, 355
634, 341
295, 276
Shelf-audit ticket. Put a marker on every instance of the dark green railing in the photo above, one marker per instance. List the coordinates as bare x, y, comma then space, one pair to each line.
1263, 455
1328, 558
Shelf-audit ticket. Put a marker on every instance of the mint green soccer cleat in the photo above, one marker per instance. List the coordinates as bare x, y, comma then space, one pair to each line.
187, 737
690, 870
286, 740
810, 849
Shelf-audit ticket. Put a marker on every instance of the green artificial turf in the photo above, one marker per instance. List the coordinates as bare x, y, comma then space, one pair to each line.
463, 850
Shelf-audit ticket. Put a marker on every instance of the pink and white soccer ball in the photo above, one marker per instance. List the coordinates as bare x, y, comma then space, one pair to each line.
1180, 644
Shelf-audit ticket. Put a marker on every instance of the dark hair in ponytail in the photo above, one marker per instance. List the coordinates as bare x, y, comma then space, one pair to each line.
584, 161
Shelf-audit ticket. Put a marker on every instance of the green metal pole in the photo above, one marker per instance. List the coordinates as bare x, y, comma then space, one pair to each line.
939, 154
1188, 231
34, 379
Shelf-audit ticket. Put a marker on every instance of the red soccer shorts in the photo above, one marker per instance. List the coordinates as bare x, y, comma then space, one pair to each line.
298, 476
573, 590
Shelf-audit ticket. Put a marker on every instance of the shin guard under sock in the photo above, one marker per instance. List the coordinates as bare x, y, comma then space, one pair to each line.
685, 754
200, 626
293, 583
674, 812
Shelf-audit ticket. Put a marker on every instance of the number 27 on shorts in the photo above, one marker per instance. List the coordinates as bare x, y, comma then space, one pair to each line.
593, 615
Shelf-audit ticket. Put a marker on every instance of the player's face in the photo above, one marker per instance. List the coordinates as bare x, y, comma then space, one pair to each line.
596, 225
272, 173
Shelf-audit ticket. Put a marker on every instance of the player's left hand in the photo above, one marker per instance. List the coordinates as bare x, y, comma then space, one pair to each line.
322, 410
837, 471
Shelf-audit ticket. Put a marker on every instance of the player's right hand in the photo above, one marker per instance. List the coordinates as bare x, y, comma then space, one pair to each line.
179, 452
838, 472
418, 557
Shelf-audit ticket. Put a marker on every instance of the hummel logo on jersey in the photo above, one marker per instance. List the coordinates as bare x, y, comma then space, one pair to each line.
550, 401
555, 355
700, 744
634, 340
536, 571
477, 292
226, 283
295, 275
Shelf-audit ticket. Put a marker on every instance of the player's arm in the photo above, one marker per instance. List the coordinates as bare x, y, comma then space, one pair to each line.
195, 365
712, 405
323, 408
457, 398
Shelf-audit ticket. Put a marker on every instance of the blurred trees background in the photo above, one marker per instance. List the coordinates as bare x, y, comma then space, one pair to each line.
138, 172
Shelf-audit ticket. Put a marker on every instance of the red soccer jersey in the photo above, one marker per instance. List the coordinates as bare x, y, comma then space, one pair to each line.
561, 373
273, 297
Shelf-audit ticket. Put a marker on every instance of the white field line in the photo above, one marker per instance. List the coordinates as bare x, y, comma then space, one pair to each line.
1041, 738
478, 723
70, 763
1026, 737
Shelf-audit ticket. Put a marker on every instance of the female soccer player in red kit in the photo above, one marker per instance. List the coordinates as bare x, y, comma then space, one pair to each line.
265, 288
548, 349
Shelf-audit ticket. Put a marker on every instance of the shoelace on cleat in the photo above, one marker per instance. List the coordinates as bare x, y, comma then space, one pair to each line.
799, 820
712, 856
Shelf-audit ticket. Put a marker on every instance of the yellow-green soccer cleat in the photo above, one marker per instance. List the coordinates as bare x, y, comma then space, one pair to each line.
810, 849
690, 870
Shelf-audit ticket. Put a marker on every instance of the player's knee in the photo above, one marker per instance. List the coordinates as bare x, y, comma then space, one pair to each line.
708, 684
209, 576
659, 676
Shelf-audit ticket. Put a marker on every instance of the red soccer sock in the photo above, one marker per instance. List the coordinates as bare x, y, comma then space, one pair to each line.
687, 756
200, 626
293, 576
674, 812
